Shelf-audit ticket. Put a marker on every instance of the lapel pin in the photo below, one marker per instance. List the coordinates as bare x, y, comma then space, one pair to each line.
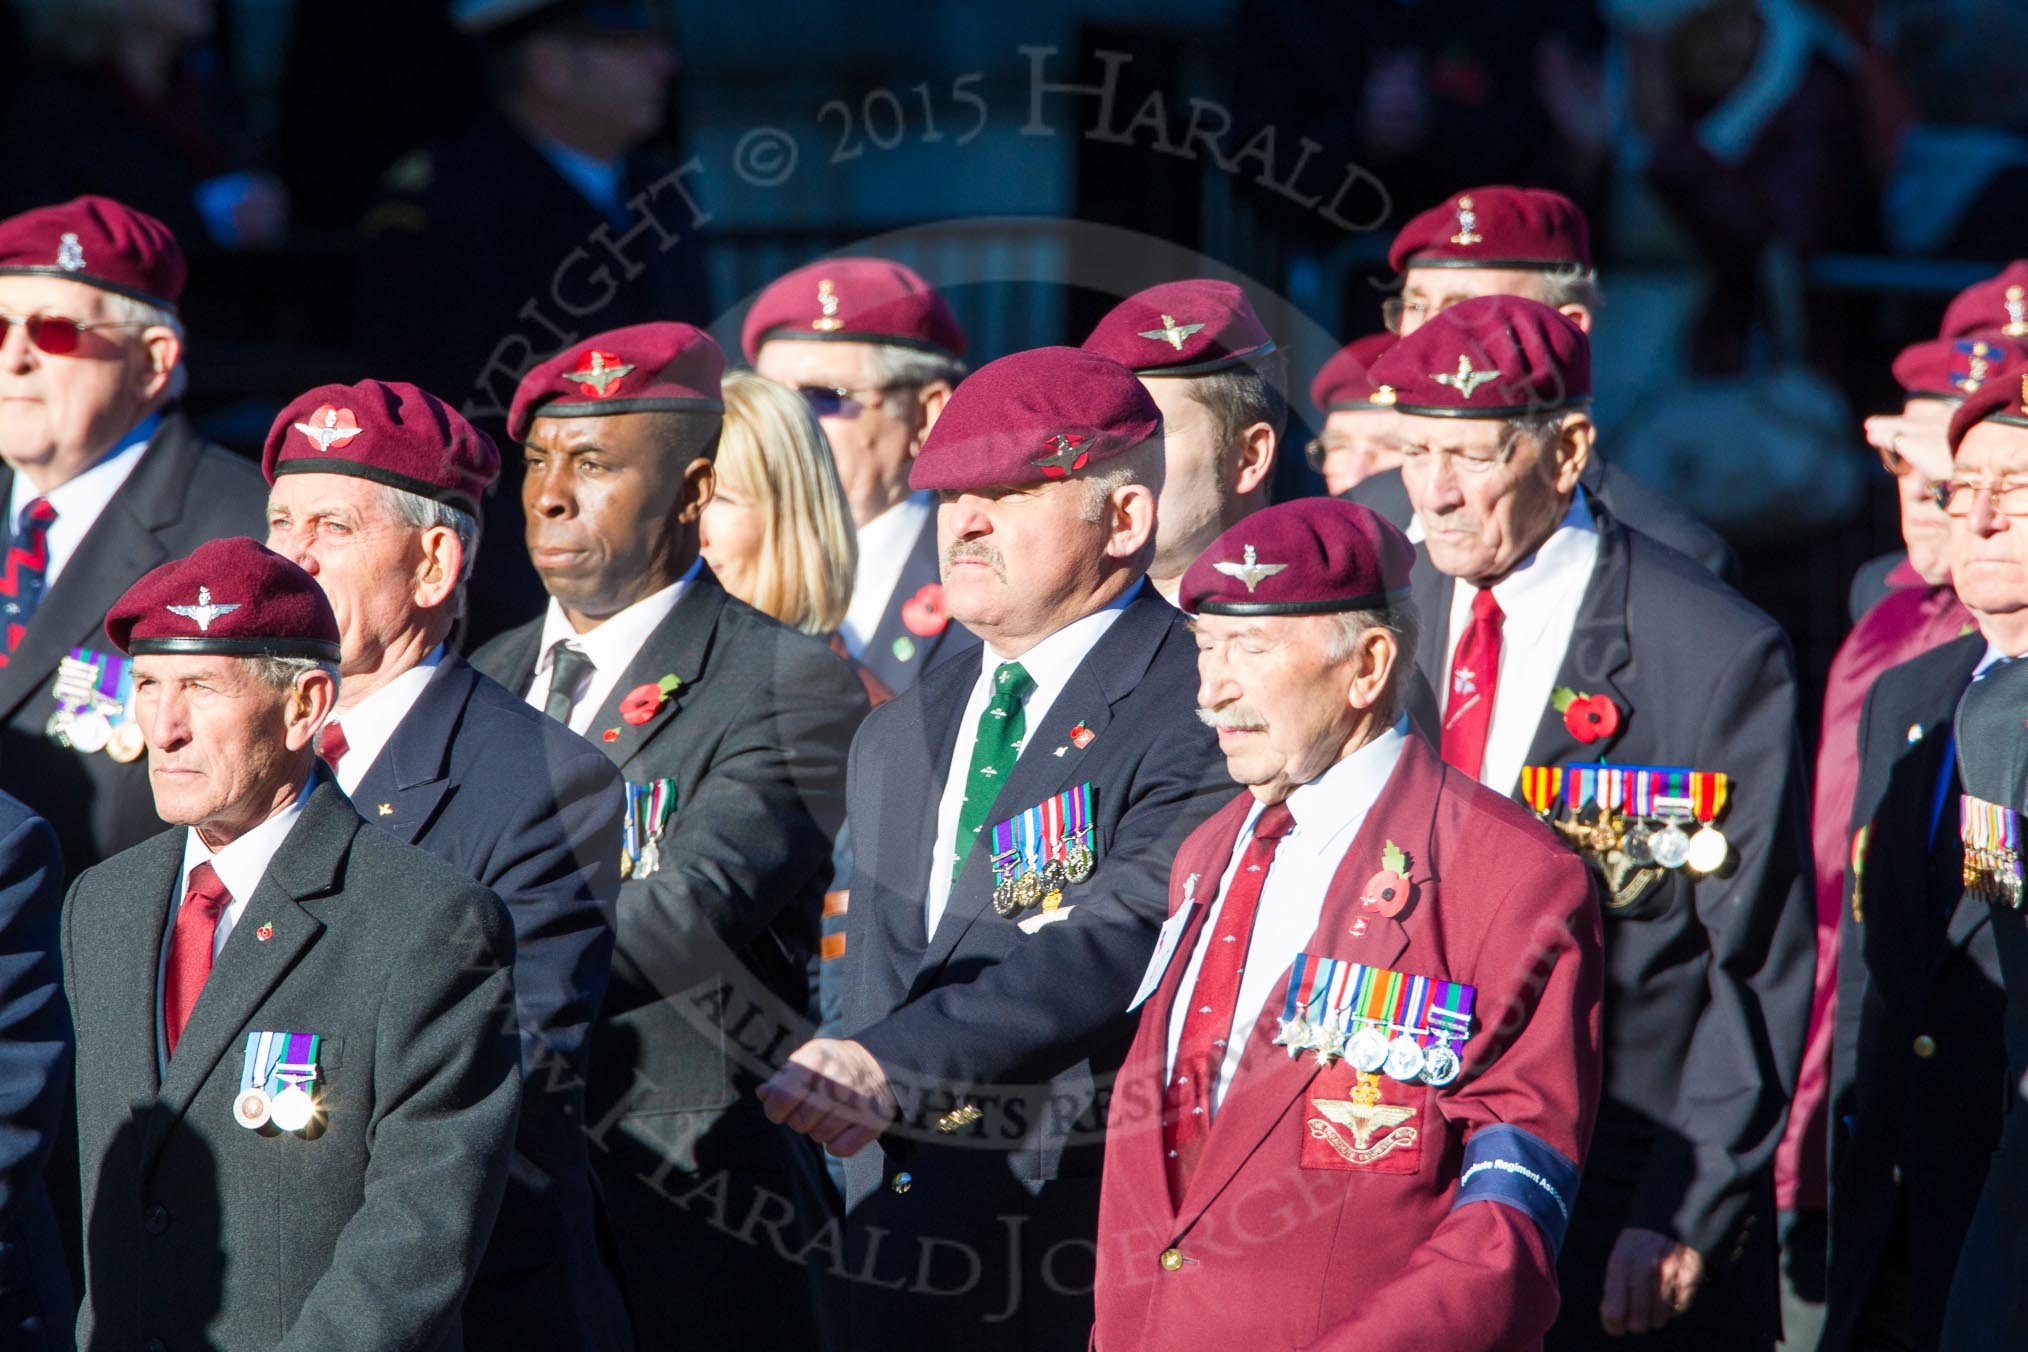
1359, 928
1914, 733
1080, 736
265, 933
611, 734
1588, 718
385, 809
1059, 751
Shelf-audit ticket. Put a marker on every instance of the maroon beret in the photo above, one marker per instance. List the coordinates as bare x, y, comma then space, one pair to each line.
1342, 383
860, 300
388, 432
2003, 398
1496, 227
1951, 368
1312, 556
1998, 305
100, 241
233, 596
1034, 416
647, 368
1187, 328
1487, 357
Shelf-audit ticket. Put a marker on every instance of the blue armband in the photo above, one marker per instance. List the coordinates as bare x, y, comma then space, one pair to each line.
1517, 1168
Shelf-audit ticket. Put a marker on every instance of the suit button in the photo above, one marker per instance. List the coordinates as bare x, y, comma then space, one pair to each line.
155, 1219
1172, 1260
1925, 1046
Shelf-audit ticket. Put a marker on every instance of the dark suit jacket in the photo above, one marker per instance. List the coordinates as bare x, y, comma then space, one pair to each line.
1388, 1258
1869, 583
181, 494
925, 650
1028, 1027
35, 1057
1626, 497
1916, 959
201, 1233
755, 740
531, 811
1708, 983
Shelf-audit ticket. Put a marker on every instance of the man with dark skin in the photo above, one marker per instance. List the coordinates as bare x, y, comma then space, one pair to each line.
731, 730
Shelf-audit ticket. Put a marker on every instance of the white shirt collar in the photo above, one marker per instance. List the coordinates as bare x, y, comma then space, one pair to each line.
1050, 662
613, 641
1333, 803
371, 725
885, 543
242, 864
1993, 656
80, 500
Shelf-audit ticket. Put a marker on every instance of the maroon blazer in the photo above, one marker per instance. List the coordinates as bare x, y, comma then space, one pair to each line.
1296, 1230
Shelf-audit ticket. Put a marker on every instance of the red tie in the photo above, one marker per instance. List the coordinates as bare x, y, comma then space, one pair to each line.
190, 949
1475, 674
331, 744
1200, 1052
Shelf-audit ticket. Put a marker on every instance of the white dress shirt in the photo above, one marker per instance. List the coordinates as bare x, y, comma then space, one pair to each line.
79, 501
1539, 600
885, 543
610, 645
368, 727
240, 867
1328, 812
1050, 665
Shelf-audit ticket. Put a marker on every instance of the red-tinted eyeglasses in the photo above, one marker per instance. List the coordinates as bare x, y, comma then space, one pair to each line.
58, 335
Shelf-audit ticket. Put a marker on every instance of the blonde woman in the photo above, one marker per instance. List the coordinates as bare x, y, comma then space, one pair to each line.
778, 535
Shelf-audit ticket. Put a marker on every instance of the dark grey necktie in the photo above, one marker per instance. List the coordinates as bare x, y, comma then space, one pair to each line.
567, 671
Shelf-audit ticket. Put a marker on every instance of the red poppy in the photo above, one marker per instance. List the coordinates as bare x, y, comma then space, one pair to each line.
926, 613
611, 734
1591, 717
641, 703
1386, 892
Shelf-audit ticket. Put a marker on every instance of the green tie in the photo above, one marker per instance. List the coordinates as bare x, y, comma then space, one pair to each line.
994, 751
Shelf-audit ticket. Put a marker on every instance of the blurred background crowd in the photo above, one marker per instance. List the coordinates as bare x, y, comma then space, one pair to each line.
1783, 194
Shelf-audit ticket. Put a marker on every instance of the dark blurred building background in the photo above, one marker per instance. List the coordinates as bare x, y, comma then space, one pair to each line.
1783, 194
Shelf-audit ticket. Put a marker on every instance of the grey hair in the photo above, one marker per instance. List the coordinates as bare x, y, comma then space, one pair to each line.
1542, 426
1404, 622
132, 310
1572, 286
1141, 465
894, 364
280, 674
420, 513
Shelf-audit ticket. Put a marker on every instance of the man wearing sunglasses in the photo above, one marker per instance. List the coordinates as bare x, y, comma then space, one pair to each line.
1921, 1006
876, 351
104, 478
1529, 242
1559, 639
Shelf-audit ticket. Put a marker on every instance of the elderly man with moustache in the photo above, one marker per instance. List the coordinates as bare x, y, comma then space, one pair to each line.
1210, 365
1533, 243
104, 479
375, 493
877, 352
1371, 1031
296, 1093
1005, 902
1623, 692
731, 731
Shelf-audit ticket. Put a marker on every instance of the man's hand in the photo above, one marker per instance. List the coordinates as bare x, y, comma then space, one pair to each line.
833, 1092
1649, 1280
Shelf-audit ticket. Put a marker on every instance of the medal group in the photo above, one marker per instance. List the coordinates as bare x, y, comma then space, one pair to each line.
94, 695
649, 807
1042, 851
1992, 839
1411, 1027
1629, 818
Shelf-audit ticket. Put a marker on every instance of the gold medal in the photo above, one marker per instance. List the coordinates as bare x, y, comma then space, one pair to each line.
252, 1109
127, 743
1027, 891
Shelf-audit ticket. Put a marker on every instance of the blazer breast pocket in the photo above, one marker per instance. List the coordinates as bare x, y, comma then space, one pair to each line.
1362, 1122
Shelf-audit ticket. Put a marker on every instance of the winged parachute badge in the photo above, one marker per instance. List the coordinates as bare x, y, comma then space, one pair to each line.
1171, 332
330, 427
1465, 380
1064, 455
1249, 569
205, 611
600, 373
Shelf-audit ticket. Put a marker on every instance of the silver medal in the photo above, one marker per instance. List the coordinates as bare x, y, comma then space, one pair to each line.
1634, 845
1439, 1064
89, 732
1404, 1058
1367, 1049
1670, 846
